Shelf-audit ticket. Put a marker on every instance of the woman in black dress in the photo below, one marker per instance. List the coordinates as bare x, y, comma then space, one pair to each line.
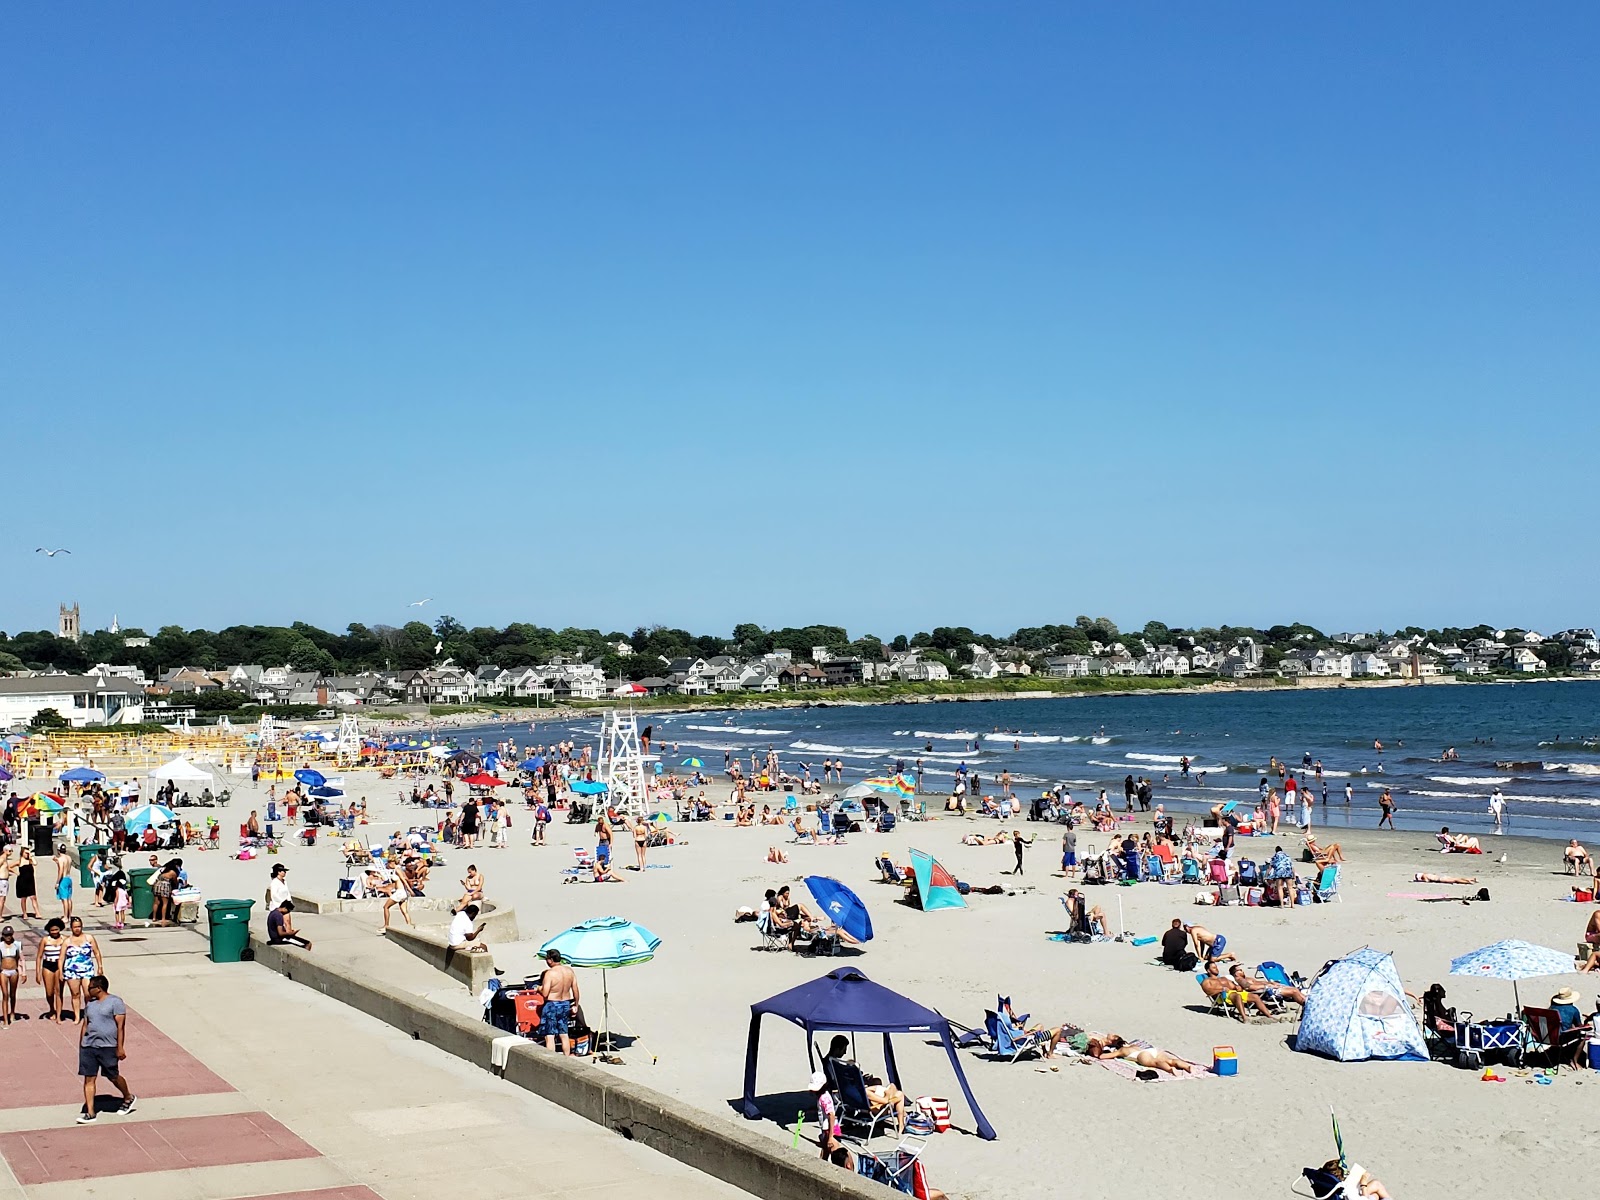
469, 824
25, 891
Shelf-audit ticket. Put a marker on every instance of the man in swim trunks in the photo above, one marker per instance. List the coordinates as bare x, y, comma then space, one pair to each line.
1272, 991
1214, 984
560, 988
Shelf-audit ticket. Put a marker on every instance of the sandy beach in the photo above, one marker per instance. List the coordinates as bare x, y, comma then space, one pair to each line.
1412, 1124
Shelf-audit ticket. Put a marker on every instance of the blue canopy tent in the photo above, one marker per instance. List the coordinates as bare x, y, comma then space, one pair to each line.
846, 1001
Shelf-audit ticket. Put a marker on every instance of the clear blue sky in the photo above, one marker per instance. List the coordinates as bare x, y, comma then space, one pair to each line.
885, 315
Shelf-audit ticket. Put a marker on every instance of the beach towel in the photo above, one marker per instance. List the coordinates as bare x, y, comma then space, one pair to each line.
1128, 1070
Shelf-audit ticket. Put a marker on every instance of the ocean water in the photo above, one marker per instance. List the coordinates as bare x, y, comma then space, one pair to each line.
1538, 742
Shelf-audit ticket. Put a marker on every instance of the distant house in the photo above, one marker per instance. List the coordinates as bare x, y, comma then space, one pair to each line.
844, 672
1236, 666
757, 680
1068, 666
1370, 665
1524, 662
799, 675
84, 700
1470, 666
1333, 663
492, 681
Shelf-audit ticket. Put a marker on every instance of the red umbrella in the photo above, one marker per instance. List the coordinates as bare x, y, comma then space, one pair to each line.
482, 779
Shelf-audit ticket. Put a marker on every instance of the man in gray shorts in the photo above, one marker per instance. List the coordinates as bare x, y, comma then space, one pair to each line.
102, 1045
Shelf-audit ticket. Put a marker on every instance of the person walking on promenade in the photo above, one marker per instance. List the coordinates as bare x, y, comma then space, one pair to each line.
102, 1047
63, 880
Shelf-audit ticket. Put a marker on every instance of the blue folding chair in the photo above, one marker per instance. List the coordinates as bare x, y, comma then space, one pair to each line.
1326, 888
1010, 1041
857, 1120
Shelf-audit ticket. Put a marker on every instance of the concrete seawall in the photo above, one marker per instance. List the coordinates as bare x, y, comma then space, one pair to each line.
739, 1156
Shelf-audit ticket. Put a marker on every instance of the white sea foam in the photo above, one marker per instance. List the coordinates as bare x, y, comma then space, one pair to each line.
847, 751
1100, 741
1174, 759
1471, 780
1574, 768
740, 729
958, 736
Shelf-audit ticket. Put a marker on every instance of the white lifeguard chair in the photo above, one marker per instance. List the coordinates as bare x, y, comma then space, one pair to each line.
348, 747
624, 767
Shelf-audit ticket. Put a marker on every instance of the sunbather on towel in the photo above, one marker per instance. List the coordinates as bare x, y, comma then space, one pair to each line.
1272, 991
1115, 1046
1214, 984
1424, 877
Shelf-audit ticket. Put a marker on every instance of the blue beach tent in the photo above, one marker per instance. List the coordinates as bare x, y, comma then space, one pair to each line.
935, 887
846, 1001
1357, 1009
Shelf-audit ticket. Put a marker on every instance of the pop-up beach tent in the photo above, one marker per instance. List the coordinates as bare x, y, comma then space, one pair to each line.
1357, 1009
846, 1001
180, 771
935, 886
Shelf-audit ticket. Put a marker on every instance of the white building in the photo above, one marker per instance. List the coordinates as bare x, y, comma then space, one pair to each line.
84, 700
1367, 663
1525, 662
1332, 663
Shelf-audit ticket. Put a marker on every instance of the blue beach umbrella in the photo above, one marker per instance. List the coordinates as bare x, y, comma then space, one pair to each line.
149, 814
844, 907
1513, 959
588, 787
310, 778
531, 764
325, 793
605, 943
82, 775
692, 762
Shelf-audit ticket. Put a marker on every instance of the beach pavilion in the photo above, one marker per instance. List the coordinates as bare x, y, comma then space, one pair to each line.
846, 1001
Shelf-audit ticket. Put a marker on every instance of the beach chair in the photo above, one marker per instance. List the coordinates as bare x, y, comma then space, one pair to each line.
857, 1120
1217, 872
1544, 1039
1189, 871
1274, 973
772, 938
1326, 888
1249, 873
886, 820
1077, 920
1012, 1042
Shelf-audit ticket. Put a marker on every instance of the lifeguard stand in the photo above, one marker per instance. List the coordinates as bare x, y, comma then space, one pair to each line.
624, 767
348, 748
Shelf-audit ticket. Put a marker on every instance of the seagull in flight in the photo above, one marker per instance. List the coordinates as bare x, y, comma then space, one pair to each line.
419, 603
52, 553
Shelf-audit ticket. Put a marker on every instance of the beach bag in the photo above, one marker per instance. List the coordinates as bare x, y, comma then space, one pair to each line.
937, 1111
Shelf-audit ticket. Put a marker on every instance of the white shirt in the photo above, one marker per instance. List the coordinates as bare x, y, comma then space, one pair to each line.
277, 891
460, 928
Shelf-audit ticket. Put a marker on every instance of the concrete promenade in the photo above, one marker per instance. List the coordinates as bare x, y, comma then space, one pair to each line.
250, 1085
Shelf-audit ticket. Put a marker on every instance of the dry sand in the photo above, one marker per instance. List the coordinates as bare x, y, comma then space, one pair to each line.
1425, 1129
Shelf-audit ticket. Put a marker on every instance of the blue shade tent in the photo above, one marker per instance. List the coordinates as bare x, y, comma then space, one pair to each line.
1357, 1009
844, 907
587, 787
935, 887
82, 775
311, 778
846, 1001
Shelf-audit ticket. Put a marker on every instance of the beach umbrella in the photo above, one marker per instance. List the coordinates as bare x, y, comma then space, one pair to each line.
149, 814
1513, 959
6, 776
692, 762
45, 802
441, 752
325, 792
605, 943
311, 778
397, 744
482, 780
587, 787
82, 775
844, 907
531, 764
858, 791
894, 785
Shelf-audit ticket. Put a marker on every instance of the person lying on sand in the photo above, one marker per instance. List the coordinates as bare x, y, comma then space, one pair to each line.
979, 839
1424, 877
775, 855
1114, 1045
1214, 984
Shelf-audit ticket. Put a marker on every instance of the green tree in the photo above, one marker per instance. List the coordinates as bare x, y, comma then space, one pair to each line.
46, 719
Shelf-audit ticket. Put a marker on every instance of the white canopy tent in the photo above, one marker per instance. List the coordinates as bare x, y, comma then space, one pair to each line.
180, 771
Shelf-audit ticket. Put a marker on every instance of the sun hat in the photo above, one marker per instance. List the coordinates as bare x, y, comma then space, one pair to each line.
1565, 996
818, 1080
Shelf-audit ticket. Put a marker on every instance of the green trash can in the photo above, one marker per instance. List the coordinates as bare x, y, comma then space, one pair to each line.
144, 900
87, 853
230, 928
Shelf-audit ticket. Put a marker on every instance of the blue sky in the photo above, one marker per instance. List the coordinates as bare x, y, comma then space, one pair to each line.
882, 315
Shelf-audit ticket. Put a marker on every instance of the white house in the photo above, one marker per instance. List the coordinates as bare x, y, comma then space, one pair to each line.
84, 700
1366, 663
1470, 666
1333, 663
1525, 662
1068, 666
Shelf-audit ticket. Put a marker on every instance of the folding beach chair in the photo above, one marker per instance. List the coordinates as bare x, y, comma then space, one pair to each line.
1217, 872
1190, 870
1326, 888
1012, 1042
1077, 920
772, 938
857, 1121
1543, 1038
1275, 974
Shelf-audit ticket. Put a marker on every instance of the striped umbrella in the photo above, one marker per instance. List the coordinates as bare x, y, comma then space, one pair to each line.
149, 814
893, 785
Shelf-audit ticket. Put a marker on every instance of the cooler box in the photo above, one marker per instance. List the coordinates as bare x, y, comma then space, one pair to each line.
936, 1110
1224, 1061
528, 1005
1594, 1055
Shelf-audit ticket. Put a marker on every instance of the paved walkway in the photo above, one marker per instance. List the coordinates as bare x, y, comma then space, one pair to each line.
251, 1086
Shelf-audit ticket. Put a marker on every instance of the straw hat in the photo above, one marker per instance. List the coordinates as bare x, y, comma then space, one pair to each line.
1565, 996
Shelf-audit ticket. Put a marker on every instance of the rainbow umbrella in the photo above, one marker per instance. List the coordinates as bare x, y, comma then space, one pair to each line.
894, 785
44, 802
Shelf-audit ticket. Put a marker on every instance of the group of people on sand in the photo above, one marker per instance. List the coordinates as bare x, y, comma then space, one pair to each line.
1187, 946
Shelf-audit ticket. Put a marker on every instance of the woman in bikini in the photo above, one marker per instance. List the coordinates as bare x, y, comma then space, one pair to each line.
1115, 1046
47, 966
641, 839
472, 887
10, 973
80, 961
